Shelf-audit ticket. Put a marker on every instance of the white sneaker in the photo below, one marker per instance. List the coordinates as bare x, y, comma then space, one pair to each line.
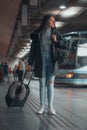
51, 111
41, 110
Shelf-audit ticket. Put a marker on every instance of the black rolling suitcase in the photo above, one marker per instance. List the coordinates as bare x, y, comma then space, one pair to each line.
17, 93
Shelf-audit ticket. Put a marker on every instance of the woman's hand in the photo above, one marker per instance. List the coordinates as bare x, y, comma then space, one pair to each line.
54, 38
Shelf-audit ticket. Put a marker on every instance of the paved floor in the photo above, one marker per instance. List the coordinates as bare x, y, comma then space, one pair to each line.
70, 104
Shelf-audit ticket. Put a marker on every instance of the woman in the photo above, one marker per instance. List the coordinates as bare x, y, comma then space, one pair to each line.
42, 58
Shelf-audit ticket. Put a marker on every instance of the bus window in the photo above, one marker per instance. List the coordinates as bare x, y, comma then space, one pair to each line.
70, 60
84, 35
82, 54
77, 56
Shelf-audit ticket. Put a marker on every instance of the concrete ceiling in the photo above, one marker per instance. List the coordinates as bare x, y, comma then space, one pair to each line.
13, 40
38, 8
8, 14
75, 23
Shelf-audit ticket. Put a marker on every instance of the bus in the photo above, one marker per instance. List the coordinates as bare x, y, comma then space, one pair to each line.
73, 71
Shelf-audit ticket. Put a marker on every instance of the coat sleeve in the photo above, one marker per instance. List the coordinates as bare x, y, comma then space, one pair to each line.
31, 56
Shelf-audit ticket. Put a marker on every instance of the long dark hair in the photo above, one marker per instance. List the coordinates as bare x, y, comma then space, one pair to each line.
44, 21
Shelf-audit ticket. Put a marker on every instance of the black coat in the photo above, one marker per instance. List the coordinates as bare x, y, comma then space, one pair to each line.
34, 58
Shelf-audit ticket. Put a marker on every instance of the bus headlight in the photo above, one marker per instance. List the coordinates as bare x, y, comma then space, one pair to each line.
69, 75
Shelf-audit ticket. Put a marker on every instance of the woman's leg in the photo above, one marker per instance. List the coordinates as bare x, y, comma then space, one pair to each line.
42, 91
50, 95
50, 90
50, 85
42, 81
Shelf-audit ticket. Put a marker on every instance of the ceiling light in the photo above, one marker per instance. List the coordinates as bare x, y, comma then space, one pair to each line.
71, 11
51, 11
59, 24
27, 44
30, 40
25, 47
62, 7
28, 47
22, 54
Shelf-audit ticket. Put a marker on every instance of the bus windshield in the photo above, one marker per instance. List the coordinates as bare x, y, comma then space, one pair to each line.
77, 53
82, 54
70, 60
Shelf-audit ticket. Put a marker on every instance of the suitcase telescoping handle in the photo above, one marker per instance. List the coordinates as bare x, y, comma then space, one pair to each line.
29, 78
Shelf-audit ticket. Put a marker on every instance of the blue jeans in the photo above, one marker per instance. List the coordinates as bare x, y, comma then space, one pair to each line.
47, 79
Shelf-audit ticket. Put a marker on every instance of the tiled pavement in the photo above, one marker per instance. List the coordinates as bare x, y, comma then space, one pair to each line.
70, 104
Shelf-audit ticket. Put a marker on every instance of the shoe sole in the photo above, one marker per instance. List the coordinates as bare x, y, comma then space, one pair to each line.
51, 113
40, 113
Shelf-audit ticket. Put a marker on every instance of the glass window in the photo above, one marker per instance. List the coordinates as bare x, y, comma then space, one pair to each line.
70, 60
77, 52
82, 53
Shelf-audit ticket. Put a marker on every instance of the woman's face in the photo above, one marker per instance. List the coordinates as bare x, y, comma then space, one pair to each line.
51, 22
